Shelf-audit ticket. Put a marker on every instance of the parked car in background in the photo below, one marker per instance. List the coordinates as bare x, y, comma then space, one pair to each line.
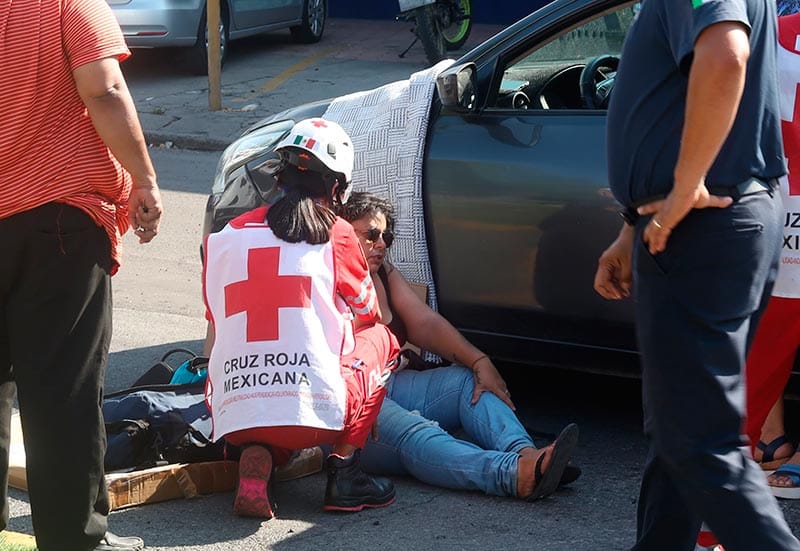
182, 23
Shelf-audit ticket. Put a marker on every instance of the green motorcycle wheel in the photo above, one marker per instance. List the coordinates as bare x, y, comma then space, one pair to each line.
455, 22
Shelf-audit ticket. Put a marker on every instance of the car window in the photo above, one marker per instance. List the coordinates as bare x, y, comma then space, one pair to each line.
548, 76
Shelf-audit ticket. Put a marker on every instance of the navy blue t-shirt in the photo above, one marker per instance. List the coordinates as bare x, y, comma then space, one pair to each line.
648, 104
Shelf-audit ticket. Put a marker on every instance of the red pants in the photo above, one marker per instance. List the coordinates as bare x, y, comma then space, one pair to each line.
770, 361
365, 373
769, 364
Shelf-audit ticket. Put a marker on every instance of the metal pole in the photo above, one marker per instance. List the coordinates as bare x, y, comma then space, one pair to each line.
214, 62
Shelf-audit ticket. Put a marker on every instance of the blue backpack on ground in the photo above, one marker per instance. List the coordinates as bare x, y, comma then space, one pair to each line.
191, 372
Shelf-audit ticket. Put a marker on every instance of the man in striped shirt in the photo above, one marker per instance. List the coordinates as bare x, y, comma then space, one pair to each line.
74, 176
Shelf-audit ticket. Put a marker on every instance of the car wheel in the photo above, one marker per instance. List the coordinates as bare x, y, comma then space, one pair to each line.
198, 55
315, 12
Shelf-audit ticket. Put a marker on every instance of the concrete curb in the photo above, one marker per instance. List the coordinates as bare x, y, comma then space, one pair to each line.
184, 141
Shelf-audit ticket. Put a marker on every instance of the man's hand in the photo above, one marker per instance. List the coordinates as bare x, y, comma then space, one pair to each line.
667, 213
144, 212
614, 268
488, 379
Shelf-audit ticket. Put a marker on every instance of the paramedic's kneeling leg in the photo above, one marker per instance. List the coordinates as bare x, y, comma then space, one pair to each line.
365, 373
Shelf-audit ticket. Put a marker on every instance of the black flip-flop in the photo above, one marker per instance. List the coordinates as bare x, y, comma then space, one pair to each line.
768, 460
547, 481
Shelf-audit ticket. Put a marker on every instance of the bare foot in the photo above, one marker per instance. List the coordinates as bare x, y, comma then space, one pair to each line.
526, 468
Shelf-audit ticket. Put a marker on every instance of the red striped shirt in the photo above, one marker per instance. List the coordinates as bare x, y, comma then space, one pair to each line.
49, 150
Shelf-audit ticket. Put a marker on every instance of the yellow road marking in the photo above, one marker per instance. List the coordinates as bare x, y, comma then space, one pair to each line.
16, 539
287, 73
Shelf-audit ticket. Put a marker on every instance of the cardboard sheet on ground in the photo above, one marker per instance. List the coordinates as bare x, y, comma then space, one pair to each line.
178, 481
16, 456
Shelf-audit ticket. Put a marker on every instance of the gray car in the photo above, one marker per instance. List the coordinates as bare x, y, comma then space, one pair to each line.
182, 23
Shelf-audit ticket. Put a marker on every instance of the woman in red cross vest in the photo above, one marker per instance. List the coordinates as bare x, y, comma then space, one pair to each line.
299, 358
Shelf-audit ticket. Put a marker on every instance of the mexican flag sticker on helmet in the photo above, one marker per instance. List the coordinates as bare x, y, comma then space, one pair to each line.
304, 142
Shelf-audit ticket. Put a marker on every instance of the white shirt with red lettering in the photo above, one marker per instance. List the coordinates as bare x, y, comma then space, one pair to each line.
787, 283
283, 317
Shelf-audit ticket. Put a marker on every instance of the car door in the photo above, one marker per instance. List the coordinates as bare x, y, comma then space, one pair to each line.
257, 13
517, 196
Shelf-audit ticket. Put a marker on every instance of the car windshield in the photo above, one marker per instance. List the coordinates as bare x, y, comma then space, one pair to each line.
547, 75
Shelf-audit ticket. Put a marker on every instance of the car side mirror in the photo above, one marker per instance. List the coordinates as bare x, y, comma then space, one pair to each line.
456, 87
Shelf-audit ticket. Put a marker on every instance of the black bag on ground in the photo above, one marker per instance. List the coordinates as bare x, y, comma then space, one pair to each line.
176, 417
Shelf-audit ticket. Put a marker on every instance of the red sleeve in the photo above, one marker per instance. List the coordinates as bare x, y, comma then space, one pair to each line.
353, 281
209, 317
91, 32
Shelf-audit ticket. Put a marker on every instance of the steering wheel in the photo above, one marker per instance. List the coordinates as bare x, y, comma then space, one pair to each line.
597, 81
514, 100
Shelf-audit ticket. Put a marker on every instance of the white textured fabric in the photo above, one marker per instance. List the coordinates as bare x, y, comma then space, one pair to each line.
388, 127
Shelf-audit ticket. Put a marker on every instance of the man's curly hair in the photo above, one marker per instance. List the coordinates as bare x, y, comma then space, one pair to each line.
363, 204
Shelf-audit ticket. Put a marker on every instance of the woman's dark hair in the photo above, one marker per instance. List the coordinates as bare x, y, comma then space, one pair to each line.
363, 204
298, 215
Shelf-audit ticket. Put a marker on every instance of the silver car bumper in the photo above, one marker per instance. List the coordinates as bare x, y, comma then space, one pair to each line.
156, 23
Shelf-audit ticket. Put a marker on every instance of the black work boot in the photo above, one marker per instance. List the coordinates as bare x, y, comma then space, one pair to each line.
351, 489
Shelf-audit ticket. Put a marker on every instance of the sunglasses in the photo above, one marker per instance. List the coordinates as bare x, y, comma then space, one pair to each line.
373, 234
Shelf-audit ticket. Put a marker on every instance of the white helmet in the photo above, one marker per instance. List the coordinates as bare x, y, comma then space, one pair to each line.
326, 140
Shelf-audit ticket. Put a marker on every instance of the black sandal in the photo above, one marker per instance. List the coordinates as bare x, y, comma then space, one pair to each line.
548, 481
768, 460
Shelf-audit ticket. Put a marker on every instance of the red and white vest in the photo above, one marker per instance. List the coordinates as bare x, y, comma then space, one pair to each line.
283, 316
788, 281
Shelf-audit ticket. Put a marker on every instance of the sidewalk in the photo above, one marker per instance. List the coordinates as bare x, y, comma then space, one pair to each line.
267, 74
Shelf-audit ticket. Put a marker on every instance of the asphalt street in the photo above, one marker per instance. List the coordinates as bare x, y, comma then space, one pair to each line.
157, 307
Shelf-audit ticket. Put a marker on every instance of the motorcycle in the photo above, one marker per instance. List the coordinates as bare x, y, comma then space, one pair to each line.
441, 25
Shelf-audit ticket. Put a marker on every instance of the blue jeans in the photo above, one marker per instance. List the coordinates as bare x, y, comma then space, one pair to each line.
421, 411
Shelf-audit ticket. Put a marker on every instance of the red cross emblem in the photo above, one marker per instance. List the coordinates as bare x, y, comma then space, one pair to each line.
791, 144
264, 292
319, 123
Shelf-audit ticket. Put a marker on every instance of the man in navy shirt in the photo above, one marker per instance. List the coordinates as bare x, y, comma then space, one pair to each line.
694, 150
